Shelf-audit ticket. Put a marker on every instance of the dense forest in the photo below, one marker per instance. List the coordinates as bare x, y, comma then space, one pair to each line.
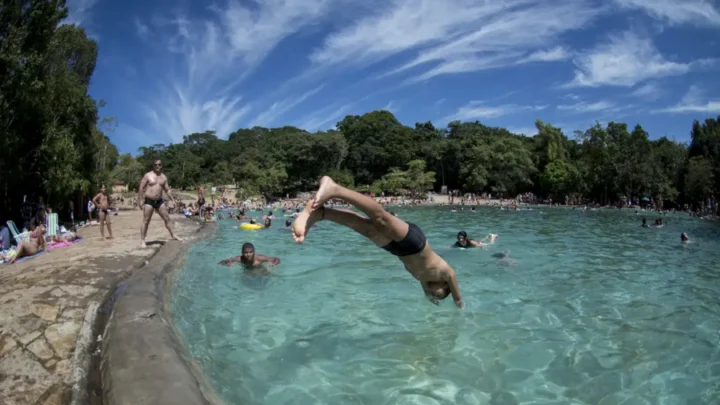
54, 144
375, 152
51, 141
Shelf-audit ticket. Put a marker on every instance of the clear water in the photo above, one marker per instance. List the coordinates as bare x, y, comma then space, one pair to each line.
589, 308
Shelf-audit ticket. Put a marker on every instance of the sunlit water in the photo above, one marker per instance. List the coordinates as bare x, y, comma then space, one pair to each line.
589, 308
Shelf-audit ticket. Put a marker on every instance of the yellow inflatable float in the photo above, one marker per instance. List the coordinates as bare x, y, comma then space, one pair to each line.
250, 227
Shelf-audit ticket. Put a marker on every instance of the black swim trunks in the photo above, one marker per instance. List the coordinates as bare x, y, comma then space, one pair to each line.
413, 243
201, 202
154, 203
105, 211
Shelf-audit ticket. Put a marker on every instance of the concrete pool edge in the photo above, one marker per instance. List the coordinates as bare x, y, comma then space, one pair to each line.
143, 359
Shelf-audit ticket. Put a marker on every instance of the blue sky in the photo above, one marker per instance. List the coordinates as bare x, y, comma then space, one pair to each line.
170, 68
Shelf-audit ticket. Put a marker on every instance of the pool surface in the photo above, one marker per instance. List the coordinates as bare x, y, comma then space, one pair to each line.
587, 308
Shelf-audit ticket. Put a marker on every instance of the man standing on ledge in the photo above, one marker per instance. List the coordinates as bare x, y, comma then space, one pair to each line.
153, 184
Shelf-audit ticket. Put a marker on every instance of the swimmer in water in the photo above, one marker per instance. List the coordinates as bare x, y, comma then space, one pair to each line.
249, 260
268, 223
399, 238
684, 237
464, 242
288, 224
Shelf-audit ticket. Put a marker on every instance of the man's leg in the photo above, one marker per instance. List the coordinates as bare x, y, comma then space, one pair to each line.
108, 223
392, 227
101, 218
168, 223
147, 216
347, 218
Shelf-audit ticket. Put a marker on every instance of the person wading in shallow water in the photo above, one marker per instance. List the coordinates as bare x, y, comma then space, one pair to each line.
399, 238
153, 184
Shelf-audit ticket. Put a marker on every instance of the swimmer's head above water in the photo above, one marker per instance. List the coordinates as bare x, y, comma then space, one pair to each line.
684, 237
462, 238
248, 253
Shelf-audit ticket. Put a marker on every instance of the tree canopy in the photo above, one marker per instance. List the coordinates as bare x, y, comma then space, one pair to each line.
374, 152
51, 142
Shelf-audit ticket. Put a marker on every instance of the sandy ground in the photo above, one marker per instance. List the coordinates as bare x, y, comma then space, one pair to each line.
43, 302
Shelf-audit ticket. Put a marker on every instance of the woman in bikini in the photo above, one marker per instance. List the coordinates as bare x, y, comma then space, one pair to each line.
35, 245
399, 238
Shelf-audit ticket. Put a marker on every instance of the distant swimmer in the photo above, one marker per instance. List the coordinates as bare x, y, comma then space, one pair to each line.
249, 260
684, 238
399, 238
464, 242
288, 224
268, 222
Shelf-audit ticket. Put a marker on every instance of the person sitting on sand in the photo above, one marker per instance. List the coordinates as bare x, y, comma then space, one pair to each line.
399, 238
35, 245
250, 260
464, 242
102, 201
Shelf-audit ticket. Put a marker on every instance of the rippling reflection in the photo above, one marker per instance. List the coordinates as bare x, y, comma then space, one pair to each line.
568, 307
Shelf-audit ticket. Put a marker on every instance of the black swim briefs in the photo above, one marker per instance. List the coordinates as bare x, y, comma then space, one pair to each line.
154, 203
413, 243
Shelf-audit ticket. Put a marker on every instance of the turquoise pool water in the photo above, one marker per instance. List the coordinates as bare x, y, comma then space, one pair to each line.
589, 308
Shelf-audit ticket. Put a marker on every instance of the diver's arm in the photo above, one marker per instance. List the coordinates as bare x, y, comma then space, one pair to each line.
454, 289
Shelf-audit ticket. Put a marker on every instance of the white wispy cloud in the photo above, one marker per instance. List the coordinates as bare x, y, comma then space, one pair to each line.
79, 11
278, 109
326, 118
557, 53
583, 107
694, 101
474, 110
527, 131
142, 30
677, 11
626, 60
648, 91
456, 36
209, 57
390, 106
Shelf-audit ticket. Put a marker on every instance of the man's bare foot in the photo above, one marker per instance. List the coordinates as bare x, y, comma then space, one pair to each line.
325, 192
305, 221
110, 237
174, 237
142, 244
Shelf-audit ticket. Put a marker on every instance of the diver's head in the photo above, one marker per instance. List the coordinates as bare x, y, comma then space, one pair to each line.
438, 289
462, 237
287, 223
684, 237
248, 253
268, 222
